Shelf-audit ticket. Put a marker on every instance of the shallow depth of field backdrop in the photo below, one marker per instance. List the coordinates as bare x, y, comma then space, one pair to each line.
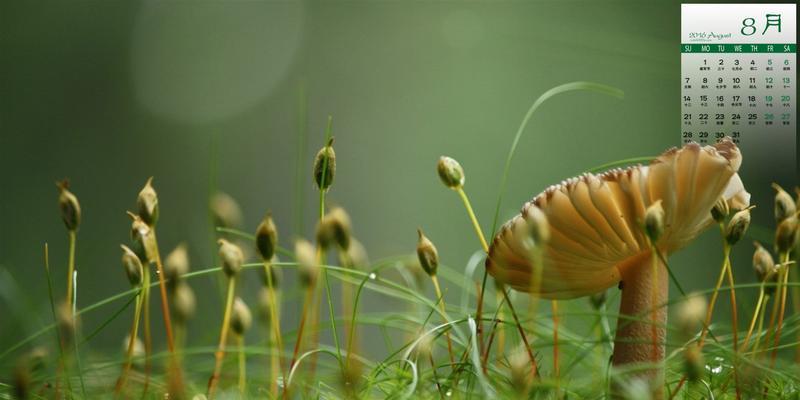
216, 94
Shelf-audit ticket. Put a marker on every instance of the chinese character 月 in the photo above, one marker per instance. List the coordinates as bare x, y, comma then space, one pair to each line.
773, 20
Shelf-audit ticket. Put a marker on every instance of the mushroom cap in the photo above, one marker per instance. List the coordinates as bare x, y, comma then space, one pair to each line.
596, 221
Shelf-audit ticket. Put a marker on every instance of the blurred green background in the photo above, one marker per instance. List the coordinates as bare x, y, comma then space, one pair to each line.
216, 94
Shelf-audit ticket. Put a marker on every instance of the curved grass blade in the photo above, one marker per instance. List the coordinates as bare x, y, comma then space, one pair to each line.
105, 323
567, 87
618, 163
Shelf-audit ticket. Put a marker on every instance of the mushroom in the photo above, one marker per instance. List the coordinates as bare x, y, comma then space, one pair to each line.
597, 238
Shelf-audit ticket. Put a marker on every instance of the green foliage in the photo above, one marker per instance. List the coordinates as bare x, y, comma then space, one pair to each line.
405, 352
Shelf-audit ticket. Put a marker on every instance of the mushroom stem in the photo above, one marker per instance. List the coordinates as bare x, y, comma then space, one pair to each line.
642, 319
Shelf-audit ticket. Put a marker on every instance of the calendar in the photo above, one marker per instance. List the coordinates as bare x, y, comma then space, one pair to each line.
738, 76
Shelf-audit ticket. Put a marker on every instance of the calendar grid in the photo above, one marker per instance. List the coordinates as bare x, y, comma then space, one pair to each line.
738, 71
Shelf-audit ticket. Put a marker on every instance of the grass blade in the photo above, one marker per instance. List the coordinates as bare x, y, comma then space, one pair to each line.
567, 87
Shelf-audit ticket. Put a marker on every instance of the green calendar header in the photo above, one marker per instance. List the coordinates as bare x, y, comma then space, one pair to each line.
739, 48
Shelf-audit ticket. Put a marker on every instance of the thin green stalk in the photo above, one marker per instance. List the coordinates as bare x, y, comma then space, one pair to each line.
672, 276
223, 336
710, 309
485, 246
773, 316
71, 266
601, 355
462, 362
795, 305
735, 320
444, 312
479, 309
242, 365
148, 339
129, 353
435, 377
332, 317
321, 253
753, 320
528, 347
349, 305
351, 334
734, 312
309, 298
274, 365
783, 294
501, 331
314, 311
61, 351
495, 331
276, 331
760, 326
603, 331
87, 338
475, 225
75, 332
164, 304
606, 327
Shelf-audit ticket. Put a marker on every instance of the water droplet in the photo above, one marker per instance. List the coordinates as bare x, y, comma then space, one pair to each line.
372, 276
716, 369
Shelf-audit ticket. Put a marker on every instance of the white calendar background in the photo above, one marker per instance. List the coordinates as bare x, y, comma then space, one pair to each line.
738, 77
